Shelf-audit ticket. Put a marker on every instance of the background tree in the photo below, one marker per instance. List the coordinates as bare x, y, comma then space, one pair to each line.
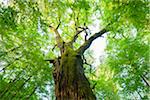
35, 32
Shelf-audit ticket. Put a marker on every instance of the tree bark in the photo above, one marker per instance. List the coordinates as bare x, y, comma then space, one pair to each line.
70, 80
69, 77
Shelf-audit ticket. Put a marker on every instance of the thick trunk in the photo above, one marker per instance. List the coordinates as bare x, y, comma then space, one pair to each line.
69, 77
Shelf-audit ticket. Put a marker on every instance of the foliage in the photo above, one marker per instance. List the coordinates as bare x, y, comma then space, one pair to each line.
105, 86
26, 41
129, 58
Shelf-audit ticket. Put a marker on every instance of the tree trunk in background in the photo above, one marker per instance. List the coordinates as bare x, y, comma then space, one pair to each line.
69, 77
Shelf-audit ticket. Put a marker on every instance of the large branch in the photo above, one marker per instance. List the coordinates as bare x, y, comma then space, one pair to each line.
87, 43
58, 38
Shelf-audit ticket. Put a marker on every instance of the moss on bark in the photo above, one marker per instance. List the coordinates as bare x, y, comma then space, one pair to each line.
70, 81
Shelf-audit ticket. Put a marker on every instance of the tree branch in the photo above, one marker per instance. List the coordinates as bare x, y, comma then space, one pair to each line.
77, 33
87, 43
11, 63
54, 47
139, 95
50, 60
145, 81
85, 62
11, 50
58, 38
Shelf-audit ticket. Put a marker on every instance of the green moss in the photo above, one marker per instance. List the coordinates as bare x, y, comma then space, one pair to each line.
69, 65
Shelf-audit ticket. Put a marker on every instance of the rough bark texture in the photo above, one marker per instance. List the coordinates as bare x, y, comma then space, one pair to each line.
70, 81
68, 73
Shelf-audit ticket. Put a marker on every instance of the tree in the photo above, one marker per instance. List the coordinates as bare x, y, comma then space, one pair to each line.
29, 29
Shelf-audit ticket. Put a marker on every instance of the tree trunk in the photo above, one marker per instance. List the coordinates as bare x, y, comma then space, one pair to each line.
68, 73
69, 77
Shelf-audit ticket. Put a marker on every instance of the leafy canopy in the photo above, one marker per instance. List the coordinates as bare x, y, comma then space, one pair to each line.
26, 41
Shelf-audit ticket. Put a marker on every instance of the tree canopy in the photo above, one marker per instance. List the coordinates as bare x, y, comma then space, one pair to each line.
27, 41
